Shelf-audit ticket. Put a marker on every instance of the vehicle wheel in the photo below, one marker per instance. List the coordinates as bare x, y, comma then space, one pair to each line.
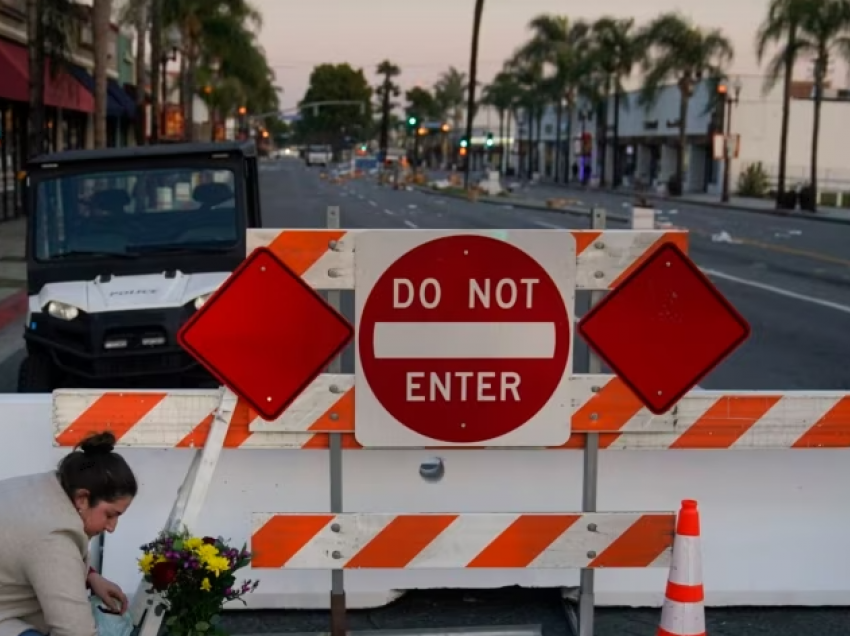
36, 374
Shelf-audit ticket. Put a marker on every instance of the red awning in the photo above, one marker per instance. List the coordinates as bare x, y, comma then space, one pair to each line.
62, 91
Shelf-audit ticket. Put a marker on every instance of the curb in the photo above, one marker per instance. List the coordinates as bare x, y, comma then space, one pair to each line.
12, 308
723, 206
522, 206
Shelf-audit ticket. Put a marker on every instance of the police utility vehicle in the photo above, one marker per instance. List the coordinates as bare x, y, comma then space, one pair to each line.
123, 246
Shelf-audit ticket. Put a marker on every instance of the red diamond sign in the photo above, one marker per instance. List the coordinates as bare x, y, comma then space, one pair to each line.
664, 328
265, 334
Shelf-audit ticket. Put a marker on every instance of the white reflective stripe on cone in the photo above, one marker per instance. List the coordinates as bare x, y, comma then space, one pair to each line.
682, 619
686, 568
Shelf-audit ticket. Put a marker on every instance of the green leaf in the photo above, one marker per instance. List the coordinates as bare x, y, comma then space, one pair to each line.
171, 620
178, 545
202, 626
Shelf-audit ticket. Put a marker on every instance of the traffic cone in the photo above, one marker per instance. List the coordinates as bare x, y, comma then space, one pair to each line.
683, 612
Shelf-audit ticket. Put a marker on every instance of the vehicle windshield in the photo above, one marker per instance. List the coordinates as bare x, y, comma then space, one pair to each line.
318, 149
139, 211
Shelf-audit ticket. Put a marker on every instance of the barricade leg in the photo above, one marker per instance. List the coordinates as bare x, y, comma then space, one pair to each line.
338, 606
188, 504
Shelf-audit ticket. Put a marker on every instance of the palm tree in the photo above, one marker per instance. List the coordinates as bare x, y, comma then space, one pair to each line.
387, 90
824, 33
563, 45
678, 50
473, 74
616, 50
48, 27
502, 94
450, 93
136, 14
101, 19
780, 28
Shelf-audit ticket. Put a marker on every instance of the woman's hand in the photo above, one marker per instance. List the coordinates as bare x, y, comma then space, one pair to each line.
108, 592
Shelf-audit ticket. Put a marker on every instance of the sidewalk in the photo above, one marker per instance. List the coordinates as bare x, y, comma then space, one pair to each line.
13, 271
743, 204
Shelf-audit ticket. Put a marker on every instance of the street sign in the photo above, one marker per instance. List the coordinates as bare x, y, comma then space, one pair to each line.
265, 334
664, 328
463, 338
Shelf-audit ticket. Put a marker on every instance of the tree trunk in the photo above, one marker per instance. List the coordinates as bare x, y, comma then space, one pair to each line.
501, 141
786, 114
559, 116
473, 75
35, 37
568, 162
603, 135
155, 65
509, 120
813, 163
101, 14
618, 168
385, 118
141, 74
681, 159
189, 95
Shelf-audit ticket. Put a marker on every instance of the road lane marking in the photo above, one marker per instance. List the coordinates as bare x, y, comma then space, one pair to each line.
550, 226
373, 204
778, 291
390, 212
411, 225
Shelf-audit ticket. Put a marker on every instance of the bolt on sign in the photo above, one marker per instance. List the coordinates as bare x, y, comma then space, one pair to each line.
463, 338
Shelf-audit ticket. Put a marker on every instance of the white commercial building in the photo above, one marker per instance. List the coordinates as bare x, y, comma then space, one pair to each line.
648, 139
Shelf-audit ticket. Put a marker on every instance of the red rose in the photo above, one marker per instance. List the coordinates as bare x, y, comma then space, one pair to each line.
163, 575
209, 541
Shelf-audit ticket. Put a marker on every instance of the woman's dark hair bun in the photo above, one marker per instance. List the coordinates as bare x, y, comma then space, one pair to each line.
98, 444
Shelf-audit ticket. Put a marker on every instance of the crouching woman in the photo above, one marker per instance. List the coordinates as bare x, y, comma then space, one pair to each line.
46, 523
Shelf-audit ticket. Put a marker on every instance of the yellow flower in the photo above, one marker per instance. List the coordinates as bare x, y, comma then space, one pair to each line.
146, 562
193, 543
206, 551
205, 585
217, 564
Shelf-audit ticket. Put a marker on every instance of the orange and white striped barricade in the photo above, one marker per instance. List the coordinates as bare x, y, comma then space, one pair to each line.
605, 415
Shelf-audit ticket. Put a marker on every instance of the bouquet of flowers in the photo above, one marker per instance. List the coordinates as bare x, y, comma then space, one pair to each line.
194, 577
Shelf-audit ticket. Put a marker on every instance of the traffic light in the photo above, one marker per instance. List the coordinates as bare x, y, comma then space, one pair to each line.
463, 142
412, 121
489, 141
363, 147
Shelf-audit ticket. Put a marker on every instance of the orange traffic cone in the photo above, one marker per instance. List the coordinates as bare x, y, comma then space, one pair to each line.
683, 613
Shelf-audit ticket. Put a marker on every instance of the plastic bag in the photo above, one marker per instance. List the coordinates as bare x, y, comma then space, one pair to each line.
110, 624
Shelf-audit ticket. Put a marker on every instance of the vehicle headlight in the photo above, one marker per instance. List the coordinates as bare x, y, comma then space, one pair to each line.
62, 311
200, 300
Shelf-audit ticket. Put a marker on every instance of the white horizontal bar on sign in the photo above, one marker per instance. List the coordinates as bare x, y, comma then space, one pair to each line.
462, 540
464, 340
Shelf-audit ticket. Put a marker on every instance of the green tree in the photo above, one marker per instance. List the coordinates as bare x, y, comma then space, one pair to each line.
387, 90
678, 50
616, 49
779, 30
328, 123
49, 23
564, 46
421, 102
450, 94
824, 28
502, 94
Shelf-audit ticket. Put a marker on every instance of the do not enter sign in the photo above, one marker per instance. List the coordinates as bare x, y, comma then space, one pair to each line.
463, 338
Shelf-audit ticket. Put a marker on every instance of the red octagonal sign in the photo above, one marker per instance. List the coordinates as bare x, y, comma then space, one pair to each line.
265, 334
664, 328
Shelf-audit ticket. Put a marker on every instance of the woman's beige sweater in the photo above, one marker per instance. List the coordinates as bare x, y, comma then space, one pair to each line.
43, 560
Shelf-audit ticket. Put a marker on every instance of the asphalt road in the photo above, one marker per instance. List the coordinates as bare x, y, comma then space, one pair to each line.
798, 303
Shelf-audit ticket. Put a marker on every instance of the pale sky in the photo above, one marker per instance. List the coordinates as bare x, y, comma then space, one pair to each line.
426, 37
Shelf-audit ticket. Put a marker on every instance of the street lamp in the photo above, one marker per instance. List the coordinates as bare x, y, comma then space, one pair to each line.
729, 101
